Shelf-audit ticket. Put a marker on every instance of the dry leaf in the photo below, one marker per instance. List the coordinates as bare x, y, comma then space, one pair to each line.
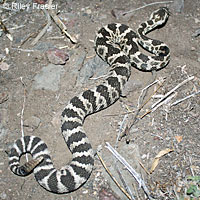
179, 138
157, 158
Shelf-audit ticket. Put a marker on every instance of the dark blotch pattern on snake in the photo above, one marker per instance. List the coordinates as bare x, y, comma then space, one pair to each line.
117, 44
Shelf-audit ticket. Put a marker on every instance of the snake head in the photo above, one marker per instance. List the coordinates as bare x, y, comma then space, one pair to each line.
160, 16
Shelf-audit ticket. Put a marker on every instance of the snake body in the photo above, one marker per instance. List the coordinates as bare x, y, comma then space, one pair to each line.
118, 45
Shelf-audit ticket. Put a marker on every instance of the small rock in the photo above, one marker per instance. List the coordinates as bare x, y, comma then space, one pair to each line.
105, 194
130, 153
93, 66
143, 156
88, 11
3, 195
48, 78
196, 20
32, 123
57, 56
4, 66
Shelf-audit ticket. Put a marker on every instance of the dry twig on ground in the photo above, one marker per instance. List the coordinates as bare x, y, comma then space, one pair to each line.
5, 30
43, 31
113, 178
130, 169
158, 103
60, 24
150, 4
185, 98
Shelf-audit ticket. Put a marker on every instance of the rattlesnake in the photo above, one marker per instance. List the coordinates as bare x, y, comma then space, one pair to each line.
118, 45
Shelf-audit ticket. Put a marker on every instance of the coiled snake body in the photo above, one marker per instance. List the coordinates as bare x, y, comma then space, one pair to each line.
118, 45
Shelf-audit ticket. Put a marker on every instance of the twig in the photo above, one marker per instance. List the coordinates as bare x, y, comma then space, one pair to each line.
121, 128
156, 81
23, 50
22, 112
165, 101
144, 89
5, 30
141, 99
192, 171
149, 111
43, 31
150, 4
60, 24
130, 169
183, 99
171, 91
31, 35
124, 183
113, 178
144, 168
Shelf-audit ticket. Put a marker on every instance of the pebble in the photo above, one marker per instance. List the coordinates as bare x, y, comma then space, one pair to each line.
4, 66
196, 20
32, 123
3, 195
105, 194
88, 11
57, 56
131, 154
85, 191
48, 78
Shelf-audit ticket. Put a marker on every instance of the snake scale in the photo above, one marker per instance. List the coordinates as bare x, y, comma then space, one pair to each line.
118, 45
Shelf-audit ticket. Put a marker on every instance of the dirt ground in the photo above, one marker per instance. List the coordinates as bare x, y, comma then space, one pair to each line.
175, 127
